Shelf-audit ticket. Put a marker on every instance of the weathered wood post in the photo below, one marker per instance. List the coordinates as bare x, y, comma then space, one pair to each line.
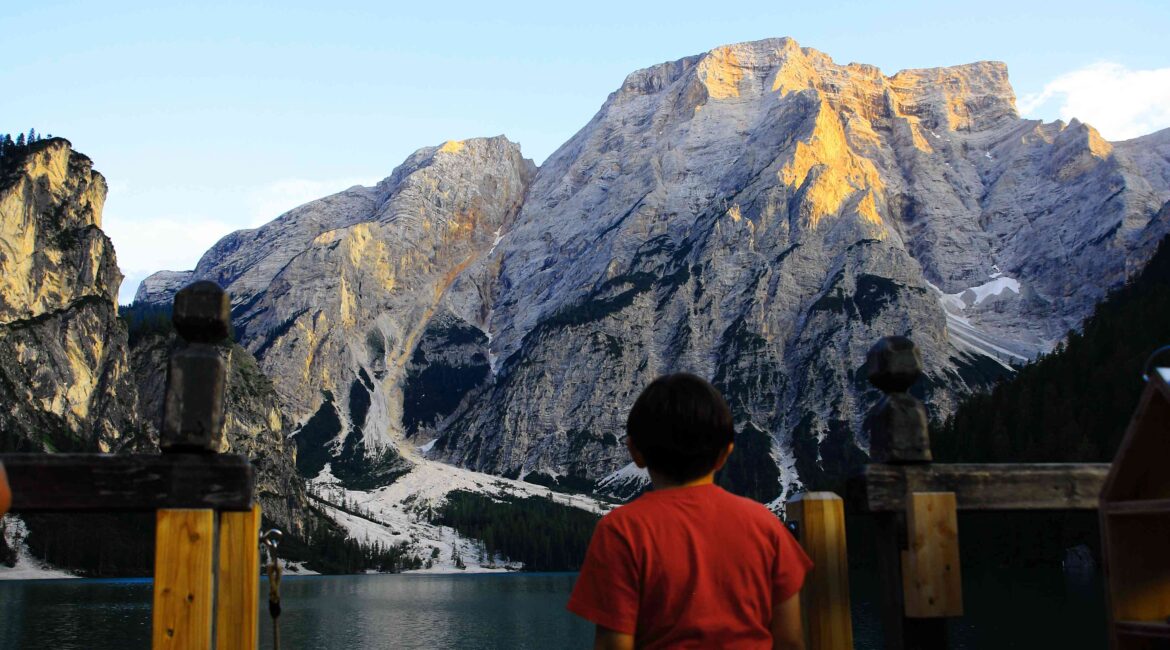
5, 491
238, 596
819, 519
192, 424
898, 434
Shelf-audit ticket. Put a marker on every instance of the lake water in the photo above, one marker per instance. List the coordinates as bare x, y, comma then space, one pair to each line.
1005, 609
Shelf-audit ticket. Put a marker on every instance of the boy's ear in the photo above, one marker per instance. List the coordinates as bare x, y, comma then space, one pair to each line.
639, 459
722, 459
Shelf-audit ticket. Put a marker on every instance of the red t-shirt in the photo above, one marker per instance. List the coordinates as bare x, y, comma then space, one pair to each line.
689, 567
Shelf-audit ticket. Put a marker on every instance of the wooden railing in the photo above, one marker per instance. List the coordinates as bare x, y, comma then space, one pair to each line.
207, 563
914, 503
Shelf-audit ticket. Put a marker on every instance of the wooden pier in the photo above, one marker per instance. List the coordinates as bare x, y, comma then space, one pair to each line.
915, 502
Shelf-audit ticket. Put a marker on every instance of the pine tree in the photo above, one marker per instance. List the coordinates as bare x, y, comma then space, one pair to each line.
20, 140
32, 136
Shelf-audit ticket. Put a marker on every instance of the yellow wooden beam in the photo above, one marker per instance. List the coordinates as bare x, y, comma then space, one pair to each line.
931, 578
184, 545
238, 594
820, 519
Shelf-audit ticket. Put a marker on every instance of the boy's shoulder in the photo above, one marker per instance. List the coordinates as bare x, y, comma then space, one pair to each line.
712, 497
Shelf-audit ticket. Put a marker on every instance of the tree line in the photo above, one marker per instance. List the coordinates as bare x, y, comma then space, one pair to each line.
12, 151
1072, 405
541, 533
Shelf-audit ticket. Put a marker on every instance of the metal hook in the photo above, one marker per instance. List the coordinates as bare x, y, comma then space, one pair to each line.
1150, 361
271, 539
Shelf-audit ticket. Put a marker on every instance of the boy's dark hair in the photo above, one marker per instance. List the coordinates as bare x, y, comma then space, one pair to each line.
680, 423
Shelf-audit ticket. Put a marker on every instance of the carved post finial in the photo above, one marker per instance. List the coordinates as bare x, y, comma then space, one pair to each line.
897, 424
197, 375
202, 312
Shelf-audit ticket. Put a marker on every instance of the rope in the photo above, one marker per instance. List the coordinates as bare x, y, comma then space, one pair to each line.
270, 539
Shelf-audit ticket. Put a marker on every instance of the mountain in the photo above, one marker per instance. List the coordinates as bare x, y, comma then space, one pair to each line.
757, 214
65, 376
72, 377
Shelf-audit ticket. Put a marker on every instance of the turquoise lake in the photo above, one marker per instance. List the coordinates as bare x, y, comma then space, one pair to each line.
1005, 609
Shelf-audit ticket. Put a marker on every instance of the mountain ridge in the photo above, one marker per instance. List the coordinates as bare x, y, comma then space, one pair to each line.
757, 214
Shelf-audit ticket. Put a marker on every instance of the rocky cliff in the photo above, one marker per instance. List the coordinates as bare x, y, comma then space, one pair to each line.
70, 377
254, 424
758, 214
335, 296
65, 380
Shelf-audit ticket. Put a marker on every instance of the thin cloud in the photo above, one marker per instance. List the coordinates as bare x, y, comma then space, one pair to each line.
1119, 102
173, 243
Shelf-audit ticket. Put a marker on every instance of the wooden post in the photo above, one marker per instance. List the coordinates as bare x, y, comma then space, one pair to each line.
238, 594
192, 424
898, 436
197, 374
5, 491
182, 579
820, 528
930, 566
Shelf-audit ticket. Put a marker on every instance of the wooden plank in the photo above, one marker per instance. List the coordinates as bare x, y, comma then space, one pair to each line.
1137, 567
820, 518
5, 491
1139, 507
184, 545
1148, 629
1035, 486
237, 598
1139, 466
130, 482
931, 574
900, 632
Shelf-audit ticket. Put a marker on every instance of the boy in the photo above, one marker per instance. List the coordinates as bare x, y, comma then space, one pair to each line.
689, 564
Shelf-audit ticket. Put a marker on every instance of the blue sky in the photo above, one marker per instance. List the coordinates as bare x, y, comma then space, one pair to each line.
211, 116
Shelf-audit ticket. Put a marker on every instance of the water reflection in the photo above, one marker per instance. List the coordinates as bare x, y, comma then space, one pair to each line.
1041, 608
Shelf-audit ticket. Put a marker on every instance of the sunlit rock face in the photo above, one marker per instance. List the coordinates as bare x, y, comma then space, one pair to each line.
758, 214
65, 382
334, 297
69, 379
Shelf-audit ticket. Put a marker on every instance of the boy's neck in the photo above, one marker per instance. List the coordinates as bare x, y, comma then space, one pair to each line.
662, 482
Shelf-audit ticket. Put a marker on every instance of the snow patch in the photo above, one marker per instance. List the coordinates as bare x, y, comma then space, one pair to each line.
630, 474
996, 287
27, 567
965, 335
499, 238
296, 568
402, 511
427, 447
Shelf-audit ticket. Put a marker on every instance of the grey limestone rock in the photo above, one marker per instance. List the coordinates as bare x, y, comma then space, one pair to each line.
758, 214
160, 287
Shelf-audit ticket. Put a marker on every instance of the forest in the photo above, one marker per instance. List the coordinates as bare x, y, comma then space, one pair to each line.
1074, 404
543, 534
